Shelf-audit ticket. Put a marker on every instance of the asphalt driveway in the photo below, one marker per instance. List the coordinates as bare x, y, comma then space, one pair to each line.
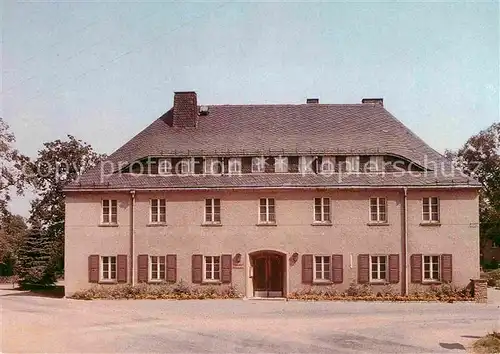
39, 324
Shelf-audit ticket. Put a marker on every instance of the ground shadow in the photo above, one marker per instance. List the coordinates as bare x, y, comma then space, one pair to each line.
52, 292
473, 337
452, 346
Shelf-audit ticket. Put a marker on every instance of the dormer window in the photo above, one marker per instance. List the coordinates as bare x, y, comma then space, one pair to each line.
187, 166
164, 166
281, 164
213, 166
376, 163
352, 163
328, 164
258, 164
234, 165
305, 164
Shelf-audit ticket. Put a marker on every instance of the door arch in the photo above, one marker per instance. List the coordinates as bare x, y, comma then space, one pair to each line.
268, 273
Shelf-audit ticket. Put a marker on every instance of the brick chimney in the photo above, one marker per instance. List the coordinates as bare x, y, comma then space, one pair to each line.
379, 101
185, 109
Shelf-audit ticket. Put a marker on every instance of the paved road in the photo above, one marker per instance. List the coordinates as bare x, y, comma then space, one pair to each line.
37, 324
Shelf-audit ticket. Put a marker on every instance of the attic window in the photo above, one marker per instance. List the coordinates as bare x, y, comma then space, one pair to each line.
164, 166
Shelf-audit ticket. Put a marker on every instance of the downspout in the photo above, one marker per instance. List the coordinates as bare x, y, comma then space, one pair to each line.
132, 237
405, 240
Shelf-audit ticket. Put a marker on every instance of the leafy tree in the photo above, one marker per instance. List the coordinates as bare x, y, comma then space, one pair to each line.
11, 167
35, 267
57, 164
480, 158
13, 231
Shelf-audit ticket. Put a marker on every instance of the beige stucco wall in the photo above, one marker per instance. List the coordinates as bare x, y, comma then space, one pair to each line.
349, 233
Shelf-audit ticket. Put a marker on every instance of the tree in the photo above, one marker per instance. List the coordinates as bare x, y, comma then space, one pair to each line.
480, 158
11, 167
57, 164
13, 231
35, 266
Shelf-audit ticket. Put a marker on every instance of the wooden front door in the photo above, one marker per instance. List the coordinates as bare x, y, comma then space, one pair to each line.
268, 272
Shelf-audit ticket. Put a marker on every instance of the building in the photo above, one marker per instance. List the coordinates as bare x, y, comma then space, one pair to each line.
490, 253
273, 199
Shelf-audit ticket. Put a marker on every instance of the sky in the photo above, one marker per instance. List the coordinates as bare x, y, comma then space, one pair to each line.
102, 71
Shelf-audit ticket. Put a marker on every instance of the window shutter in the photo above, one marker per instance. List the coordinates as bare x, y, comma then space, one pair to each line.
121, 263
198, 165
394, 268
227, 265
269, 165
337, 268
94, 268
446, 268
363, 268
225, 162
142, 268
307, 268
246, 164
416, 268
293, 164
171, 274
196, 268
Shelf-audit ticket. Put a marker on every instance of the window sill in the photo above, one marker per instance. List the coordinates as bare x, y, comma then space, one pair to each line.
108, 225
211, 224
378, 224
432, 282
322, 282
322, 223
379, 282
430, 224
156, 224
111, 281
156, 281
211, 282
267, 224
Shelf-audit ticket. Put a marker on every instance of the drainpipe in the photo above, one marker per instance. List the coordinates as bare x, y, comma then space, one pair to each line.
405, 239
132, 237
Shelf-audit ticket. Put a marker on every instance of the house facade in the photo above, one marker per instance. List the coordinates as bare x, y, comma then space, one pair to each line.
273, 199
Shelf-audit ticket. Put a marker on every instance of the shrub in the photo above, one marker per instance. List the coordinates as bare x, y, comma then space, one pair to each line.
358, 290
493, 277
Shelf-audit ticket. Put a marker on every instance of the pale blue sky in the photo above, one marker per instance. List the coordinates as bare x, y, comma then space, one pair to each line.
103, 71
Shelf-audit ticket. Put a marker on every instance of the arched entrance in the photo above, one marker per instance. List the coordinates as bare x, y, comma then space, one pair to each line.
268, 273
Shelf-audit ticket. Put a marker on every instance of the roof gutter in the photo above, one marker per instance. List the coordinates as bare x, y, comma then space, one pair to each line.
405, 240
132, 236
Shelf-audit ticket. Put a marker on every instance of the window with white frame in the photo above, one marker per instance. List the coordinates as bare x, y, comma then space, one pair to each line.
378, 210
108, 268
352, 163
328, 164
158, 211
306, 164
109, 211
258, 164
213, 166
234, 165
212, 268
431, 268
376, 163
322, 210
281, 164
378, 268
267, 210
156, 268
187, 166
212, 210
430, 209
494, 244
322, 268
164, 166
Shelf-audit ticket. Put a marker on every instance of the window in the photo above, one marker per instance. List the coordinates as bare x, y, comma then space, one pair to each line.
158, 212
213, 166
378, 210
266, 210
281, 164
430, 209
212, 210
306, 164
212, 268
109, 211
164, 166
376, 163
378, 267
258, 164
321, 267
352, 163
156, 268
322, 210
108, 266
494, 244
234, 165
187, 166
328, 164
431, 268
